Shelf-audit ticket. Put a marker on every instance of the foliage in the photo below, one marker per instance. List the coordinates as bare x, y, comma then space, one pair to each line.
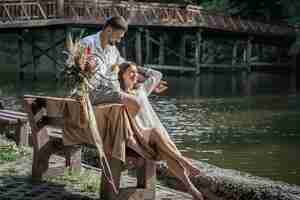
12, 152
87, 181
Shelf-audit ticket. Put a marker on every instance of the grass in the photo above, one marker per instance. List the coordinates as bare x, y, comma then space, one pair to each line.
86, 180
11, 152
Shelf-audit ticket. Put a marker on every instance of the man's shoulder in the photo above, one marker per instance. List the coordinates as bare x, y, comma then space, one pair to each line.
90, 38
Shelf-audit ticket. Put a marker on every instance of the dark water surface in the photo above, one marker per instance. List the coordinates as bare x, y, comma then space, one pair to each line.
248, 123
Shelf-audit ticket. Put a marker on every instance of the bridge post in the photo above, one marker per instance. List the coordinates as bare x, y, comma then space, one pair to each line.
148, 47
260, 51
244, 53
138, 46
60, 8
20, 51
182, 51
234, 83
249, 52
52, 34
33, 59
234, 53
247, 80
197, 86
198, 50
161, 56
293, 75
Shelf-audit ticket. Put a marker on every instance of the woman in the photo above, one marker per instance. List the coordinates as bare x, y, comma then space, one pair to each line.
153, 132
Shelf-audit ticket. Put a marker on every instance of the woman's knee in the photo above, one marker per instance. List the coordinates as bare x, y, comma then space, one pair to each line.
132, 104
156, 133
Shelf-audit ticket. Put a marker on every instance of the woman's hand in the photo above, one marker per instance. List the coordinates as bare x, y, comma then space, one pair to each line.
161, 87
131, 103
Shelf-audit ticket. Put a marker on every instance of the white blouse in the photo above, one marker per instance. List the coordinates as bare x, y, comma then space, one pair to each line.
147, 117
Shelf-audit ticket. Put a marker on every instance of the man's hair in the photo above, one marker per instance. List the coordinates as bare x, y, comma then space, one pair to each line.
117, 23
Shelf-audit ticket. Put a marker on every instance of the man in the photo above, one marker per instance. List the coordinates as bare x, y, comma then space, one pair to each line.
105, 82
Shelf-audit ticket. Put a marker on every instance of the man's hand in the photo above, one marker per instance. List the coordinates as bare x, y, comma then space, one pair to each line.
132, 104
161, 87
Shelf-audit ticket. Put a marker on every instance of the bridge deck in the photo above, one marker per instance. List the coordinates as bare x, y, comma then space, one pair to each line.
34, 13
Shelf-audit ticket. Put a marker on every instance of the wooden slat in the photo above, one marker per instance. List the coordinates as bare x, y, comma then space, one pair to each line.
8, 13
54, 132
42, 11
8, 119
66, 99
180, 17
169, 67
14, 112
22, 118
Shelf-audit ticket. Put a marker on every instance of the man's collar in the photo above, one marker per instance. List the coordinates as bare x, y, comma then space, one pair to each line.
98, 42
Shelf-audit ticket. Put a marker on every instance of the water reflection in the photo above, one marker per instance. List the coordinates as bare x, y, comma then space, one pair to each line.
225, 84
244, 121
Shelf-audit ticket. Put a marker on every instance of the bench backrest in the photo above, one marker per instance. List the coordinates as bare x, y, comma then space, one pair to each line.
45, 112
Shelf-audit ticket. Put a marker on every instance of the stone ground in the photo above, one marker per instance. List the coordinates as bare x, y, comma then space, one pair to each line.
15, 184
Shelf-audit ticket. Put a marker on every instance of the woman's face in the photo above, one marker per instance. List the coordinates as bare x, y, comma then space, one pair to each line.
130, 76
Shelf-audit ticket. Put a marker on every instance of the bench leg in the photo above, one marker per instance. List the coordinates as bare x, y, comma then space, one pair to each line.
73, 158
146, 177
43, 149
41, 160
39, 164
22, 134
106, 191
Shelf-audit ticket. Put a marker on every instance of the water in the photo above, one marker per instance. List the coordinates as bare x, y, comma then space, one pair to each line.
248, 123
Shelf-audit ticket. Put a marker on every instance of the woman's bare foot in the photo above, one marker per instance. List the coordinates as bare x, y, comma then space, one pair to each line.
194, 171
191, 189
195, 192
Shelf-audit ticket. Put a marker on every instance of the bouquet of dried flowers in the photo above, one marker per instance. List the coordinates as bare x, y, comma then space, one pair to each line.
79, 67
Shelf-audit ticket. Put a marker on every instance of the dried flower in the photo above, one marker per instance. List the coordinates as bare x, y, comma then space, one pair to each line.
79, 67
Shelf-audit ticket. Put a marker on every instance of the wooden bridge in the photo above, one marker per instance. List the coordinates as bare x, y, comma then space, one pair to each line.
29, 13
145, 18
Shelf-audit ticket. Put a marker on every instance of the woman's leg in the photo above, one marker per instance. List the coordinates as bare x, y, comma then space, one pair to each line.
176, 162
169, 144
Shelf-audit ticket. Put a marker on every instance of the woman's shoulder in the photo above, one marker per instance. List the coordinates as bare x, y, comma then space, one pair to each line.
140, 89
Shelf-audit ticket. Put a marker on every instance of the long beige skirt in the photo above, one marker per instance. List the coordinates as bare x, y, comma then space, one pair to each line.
117, 129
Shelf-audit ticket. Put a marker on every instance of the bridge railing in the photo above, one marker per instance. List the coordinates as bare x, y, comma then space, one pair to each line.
13, 11
137, 13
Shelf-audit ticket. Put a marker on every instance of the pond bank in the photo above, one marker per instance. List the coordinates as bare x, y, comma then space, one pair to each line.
225, 184
218, 184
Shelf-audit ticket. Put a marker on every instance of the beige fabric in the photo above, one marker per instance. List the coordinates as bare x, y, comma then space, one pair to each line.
118, 131
116, 128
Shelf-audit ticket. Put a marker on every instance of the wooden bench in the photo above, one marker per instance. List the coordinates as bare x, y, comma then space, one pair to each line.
47, 140
19, 121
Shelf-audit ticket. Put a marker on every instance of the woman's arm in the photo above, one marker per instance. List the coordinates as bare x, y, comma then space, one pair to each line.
152, 78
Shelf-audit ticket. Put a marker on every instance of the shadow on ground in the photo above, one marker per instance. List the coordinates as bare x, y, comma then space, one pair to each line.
13, 187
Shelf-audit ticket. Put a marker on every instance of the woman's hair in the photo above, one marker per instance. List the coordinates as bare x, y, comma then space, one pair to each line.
122, 69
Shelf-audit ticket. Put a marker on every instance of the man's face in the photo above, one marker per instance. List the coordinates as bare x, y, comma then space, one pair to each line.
115, 36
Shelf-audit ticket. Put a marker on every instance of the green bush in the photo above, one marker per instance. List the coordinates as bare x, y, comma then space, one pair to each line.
11, 152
